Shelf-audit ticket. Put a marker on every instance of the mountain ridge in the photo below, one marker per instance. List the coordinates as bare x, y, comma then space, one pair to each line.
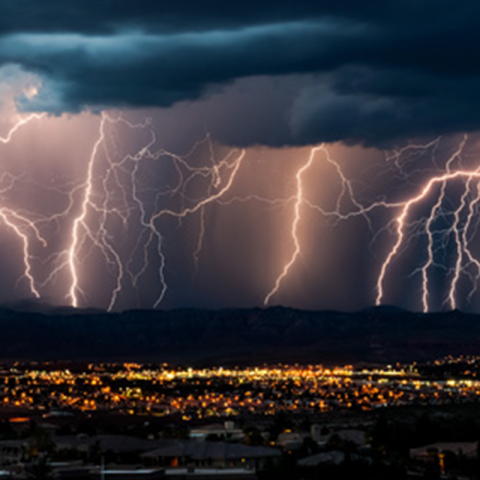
243, 336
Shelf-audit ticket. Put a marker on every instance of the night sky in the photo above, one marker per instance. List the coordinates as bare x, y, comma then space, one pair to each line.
320, 155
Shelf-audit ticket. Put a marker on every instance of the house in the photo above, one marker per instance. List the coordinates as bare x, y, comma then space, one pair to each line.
209, 474
96, 473
188, 453
334, 457
137, 474
292, 440
12, 452
460, 449
117, 448
227, 431
355, 437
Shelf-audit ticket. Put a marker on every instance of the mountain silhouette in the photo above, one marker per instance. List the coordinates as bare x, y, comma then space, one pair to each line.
236, 336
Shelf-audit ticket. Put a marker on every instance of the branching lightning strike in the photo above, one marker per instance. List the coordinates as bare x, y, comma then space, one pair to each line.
22, 227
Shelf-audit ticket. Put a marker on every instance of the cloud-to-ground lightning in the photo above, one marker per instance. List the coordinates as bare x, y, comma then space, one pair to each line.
346, 191
294, 229
80, 219
22, 227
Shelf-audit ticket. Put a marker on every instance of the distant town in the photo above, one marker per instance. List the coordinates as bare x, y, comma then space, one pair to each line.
195, 394
130, 421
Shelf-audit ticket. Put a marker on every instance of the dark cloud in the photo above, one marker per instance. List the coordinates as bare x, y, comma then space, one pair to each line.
377, 72
107, 16
385, 113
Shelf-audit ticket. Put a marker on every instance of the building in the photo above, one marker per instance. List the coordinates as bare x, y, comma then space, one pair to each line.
12, 452
188, 453
292, 440
209, 474
227, 431
460, 449
334, 457
96, 473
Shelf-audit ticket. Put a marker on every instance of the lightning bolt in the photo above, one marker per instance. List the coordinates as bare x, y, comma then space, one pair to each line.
80, 219
22, 122
346, 192
294, 230
18, 223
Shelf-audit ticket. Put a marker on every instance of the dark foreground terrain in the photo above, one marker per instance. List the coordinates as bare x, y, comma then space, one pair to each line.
249, 336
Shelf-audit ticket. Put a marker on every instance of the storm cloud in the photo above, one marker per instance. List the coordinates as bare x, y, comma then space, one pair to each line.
373, 73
